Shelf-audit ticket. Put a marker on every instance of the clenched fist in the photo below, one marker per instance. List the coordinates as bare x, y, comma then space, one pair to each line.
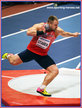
76, 34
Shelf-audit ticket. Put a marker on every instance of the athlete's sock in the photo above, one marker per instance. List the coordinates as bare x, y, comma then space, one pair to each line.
9, 55
42, 87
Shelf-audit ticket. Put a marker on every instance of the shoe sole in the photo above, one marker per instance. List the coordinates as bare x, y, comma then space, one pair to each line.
44, 94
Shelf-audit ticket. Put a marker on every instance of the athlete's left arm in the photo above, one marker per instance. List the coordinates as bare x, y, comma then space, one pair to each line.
66, 34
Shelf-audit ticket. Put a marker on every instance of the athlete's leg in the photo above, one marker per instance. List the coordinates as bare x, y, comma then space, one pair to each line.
52, 73
47, 63
13, 59
17, 59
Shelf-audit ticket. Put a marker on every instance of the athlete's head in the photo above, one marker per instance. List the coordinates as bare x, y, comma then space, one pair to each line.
53, 22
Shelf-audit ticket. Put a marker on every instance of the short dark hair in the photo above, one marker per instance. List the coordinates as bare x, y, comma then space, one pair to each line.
52, 18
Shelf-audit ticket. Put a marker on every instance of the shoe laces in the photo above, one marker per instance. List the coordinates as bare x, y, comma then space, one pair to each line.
45, 92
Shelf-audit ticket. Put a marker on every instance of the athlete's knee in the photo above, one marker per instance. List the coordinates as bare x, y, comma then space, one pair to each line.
54, 69
13, 62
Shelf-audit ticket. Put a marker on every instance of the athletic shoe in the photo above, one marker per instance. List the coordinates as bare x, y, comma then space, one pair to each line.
43, 92
4, 56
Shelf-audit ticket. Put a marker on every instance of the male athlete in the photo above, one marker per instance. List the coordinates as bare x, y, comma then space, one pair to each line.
43, 35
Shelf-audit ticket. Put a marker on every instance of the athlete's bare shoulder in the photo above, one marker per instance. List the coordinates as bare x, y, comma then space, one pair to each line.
38, 26
42, 23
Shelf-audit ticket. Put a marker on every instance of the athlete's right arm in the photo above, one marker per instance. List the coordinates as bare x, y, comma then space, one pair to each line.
32, 31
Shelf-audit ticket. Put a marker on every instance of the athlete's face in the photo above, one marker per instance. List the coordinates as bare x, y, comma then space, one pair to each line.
53, 25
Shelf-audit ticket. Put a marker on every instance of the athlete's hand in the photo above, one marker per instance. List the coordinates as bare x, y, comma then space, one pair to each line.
41, 28
76, 34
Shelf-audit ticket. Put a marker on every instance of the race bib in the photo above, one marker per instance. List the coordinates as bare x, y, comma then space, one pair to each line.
43, 43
